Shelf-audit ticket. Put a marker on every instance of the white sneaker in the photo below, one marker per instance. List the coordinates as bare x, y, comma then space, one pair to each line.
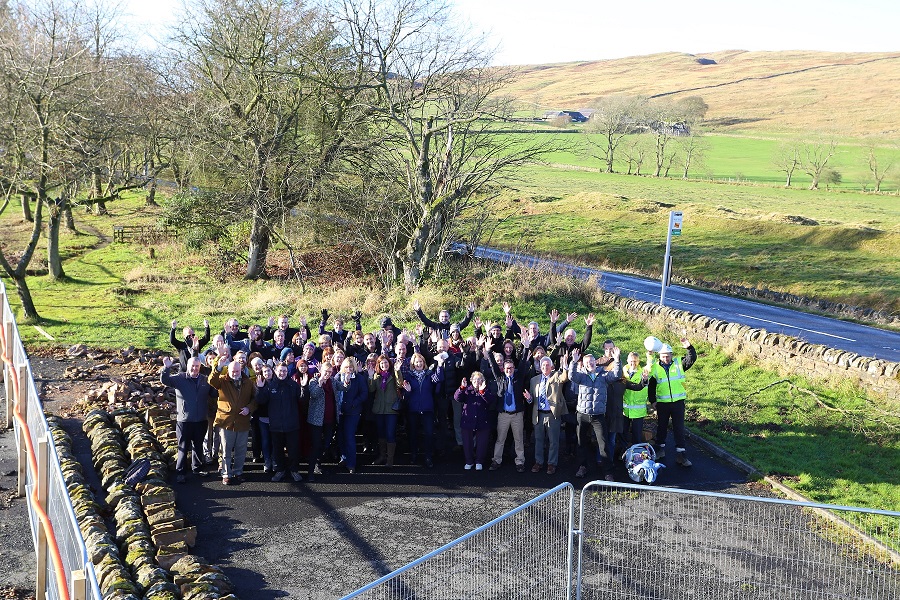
468, 467
479, 467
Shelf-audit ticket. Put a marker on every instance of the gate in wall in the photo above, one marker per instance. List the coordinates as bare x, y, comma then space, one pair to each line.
634, 541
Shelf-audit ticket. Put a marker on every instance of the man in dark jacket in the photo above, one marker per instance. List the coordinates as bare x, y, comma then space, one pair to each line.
191, 346
569, 343
282, 397
192, 393
338, 334
442, 325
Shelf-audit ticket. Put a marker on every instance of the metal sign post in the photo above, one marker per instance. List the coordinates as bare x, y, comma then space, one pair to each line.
675, 219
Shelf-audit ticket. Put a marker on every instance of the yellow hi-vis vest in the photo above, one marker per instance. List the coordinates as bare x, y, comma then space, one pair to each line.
669, 387
634, 403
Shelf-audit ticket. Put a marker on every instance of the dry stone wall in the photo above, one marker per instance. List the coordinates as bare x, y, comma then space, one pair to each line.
787, 353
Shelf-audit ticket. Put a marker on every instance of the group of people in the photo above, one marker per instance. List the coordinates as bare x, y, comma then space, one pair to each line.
300, 397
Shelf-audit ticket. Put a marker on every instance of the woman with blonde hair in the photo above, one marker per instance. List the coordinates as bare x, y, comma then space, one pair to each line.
421, 385
353, 390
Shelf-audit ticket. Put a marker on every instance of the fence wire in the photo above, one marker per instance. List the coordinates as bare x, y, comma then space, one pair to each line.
650, 543
522, 554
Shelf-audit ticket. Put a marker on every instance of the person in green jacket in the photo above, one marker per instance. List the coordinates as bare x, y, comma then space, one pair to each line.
666, 388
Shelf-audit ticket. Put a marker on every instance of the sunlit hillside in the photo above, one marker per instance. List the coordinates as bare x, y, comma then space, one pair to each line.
844, 94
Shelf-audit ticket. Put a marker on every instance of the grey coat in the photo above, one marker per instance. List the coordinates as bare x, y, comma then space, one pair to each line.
191, 395
592, 392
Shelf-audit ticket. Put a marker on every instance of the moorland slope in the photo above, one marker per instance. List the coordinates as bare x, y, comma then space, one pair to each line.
843, 94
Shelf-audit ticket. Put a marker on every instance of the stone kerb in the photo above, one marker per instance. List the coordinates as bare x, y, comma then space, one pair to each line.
786, 353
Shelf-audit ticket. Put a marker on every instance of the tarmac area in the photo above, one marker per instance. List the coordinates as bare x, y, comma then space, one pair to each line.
328, 538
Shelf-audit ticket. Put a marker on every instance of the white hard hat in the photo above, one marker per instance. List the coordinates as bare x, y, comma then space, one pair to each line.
666, 349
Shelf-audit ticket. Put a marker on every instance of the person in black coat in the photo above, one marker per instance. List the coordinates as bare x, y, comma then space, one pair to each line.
191, 346
442, 325
282, 397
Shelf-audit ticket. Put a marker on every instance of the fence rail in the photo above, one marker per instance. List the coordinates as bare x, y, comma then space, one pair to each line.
64, 570
142, 233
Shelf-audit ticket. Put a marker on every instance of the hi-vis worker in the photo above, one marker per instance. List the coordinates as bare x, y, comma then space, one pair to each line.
666, 386
634, 402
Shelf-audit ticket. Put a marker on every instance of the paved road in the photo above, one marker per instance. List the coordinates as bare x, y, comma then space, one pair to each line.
844, 335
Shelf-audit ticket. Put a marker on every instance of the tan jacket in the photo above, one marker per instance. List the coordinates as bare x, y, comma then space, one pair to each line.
555, 396
231, 400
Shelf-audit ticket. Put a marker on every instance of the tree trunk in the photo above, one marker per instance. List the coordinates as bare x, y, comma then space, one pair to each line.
31, 313
414, 259
26, 208
54, 263
815, 182
259, 248
100, 209
788, 182
69, 218
150, 200
96, 190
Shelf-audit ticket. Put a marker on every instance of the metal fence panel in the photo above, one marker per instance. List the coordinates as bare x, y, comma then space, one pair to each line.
59, 505
648, 543
525, 553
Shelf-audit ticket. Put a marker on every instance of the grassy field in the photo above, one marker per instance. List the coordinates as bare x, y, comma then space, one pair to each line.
118, 297
732, 158
835, 245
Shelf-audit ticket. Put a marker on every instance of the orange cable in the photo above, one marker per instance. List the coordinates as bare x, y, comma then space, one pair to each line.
58, 566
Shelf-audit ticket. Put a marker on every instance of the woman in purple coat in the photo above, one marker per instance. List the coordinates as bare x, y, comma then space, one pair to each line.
477, 400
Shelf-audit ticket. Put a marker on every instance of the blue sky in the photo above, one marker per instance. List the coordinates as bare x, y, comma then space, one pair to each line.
532, 31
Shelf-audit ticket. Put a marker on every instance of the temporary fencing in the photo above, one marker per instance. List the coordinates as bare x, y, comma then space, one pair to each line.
643, 542
640, 542
525, 553
64, 571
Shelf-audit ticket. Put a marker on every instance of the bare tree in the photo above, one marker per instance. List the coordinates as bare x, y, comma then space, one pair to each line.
693, 150
664, 123
614, 117
273, 106
788, 158
880, 164
433, 102
635, 151
816, 155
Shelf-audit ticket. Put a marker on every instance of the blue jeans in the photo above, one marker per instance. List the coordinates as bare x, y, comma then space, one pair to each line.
349, 424
387, 427
424, 421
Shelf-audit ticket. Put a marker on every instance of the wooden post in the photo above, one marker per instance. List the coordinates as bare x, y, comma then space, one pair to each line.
79, 585
42, 481
23, 410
